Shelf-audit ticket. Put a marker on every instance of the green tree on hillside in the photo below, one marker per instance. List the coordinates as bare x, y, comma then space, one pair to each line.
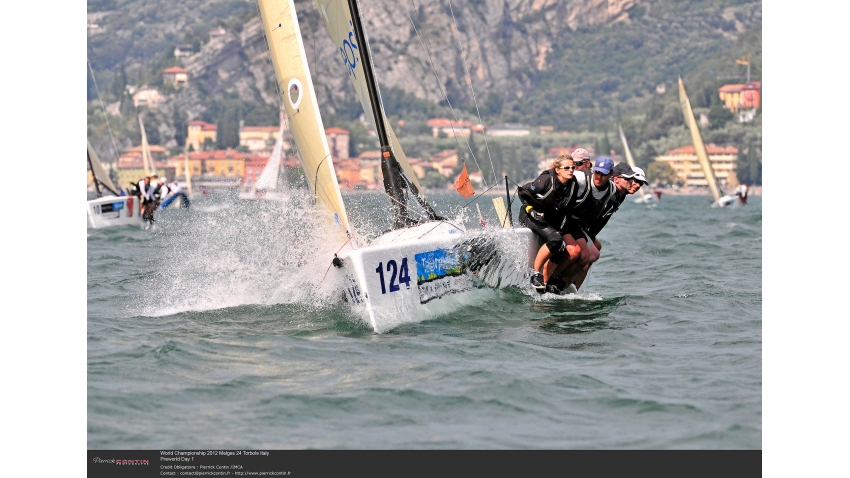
227, 128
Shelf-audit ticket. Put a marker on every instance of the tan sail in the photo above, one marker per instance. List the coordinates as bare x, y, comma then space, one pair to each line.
699, 144
147, 161
98, 170
299, 99
186, 168
338, 21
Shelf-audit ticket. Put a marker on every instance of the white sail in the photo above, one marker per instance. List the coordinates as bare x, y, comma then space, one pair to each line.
268, 178
147, 161
98, 170
699, 144
283, 35
338, 21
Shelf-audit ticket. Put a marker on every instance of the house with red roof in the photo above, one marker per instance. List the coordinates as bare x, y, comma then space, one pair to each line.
450, 128
176, 76
338, 139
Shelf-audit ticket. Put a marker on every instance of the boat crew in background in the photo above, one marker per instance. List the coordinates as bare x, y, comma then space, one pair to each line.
741, 191
543, 210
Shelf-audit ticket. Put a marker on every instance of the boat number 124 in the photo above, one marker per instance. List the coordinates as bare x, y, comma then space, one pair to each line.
398, 275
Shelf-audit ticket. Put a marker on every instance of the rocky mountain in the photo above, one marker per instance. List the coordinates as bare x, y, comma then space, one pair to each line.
571, 63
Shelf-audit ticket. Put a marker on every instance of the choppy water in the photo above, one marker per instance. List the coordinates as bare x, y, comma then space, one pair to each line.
216, 330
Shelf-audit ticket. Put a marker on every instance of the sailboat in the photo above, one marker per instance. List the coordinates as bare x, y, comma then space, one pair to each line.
702, 154
268, 184
417, 270
109, 209
645, 196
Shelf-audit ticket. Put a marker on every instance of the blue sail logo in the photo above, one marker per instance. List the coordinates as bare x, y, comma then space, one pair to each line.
347, 52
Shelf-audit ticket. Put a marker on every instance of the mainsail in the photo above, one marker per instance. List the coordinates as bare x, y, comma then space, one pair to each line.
283, 35
147, 161
268, 178
99, 172
699, 145
355, 54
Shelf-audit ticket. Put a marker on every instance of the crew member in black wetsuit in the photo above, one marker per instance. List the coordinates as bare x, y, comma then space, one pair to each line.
545, 203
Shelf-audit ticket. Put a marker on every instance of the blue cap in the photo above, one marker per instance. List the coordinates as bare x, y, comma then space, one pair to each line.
603, 164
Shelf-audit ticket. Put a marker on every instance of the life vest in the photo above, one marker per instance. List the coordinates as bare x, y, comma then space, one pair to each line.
588, 207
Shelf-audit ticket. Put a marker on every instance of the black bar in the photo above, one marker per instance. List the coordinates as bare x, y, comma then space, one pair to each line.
418, 463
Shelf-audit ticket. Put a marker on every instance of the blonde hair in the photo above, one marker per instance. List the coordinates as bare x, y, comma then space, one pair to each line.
560, 158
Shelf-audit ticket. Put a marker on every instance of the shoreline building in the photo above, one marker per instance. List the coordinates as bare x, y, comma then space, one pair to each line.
198, 132
686, 165
742, 99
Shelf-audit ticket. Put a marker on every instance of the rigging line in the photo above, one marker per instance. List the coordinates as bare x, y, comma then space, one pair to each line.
335, 253
472, 89
105, 115
440, 86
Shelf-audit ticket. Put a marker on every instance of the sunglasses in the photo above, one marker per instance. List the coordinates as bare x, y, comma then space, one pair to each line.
579, 163
567, 168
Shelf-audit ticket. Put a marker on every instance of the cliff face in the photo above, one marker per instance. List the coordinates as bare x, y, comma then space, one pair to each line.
502, 43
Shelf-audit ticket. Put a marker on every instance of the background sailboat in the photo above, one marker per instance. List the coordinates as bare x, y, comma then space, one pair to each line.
268, 184
702, 154
645, 196
109, 209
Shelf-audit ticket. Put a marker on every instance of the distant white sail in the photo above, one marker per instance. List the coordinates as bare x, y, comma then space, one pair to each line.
98, 170
337, 19
268, 178
147, 161
699, 144
283, 35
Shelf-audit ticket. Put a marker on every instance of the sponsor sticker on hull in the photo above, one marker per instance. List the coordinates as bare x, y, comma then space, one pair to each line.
438, 273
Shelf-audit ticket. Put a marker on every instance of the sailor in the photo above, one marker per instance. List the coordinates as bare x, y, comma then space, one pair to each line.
741, 191
544, 208
141, 191
581, 159
628, 181
595, 190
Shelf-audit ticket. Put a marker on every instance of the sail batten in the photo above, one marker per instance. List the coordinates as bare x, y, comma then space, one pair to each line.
286, 47
699, 144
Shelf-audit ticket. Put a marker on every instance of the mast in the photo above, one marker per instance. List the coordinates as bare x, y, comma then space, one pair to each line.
393, 184
699, 144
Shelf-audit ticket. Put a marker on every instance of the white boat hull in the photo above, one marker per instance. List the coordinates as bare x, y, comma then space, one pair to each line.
415, 274
724, 201
111, 211
646, 199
